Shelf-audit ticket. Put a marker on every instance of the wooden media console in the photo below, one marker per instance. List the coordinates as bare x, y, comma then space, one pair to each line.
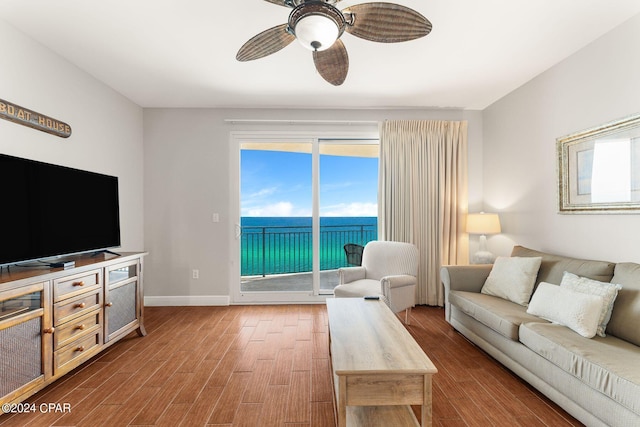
54, 319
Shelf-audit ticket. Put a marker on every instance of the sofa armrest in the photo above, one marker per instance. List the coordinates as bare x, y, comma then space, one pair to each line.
351, 274
469, 278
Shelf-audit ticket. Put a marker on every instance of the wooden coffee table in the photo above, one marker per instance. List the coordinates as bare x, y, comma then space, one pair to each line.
379, 369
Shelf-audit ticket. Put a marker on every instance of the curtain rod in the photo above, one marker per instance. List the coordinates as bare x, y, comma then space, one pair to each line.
302, 122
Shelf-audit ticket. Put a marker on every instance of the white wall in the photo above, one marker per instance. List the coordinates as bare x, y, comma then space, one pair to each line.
184, 157
598, 84
187, 178
106, 127
512, 167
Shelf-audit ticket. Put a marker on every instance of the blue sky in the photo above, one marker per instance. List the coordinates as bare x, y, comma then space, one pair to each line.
276, 183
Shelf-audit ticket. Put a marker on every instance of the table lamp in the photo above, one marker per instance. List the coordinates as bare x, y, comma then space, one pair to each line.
483, 224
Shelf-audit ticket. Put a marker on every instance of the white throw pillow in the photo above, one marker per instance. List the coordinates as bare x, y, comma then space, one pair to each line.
572, 309
513, 278
608, 291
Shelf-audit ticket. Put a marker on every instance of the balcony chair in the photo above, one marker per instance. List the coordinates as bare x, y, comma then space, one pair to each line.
388, 270
353, 253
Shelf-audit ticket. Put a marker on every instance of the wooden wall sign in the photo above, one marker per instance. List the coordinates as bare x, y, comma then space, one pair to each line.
24, 116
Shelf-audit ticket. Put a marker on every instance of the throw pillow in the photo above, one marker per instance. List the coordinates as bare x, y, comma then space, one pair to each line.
513, 278
572, 309
608, 291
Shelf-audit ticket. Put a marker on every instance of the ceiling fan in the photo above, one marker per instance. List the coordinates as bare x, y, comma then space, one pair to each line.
318, 25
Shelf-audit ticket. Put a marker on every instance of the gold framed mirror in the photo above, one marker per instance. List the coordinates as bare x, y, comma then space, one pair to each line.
599, 169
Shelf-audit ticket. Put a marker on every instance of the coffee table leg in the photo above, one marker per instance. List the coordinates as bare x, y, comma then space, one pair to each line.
342, 401
425, 413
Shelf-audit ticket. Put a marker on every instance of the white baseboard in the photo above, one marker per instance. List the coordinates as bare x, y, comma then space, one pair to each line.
181, 301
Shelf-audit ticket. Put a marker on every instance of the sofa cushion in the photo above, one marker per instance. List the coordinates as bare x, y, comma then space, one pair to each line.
512, 278
625, 317
501, 315
553, 266
608, 365
575, 310
608, 292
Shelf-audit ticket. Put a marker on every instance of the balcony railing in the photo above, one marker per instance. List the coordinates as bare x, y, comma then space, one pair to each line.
282, 249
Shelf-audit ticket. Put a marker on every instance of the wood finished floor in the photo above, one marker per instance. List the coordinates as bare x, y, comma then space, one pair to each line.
269, 366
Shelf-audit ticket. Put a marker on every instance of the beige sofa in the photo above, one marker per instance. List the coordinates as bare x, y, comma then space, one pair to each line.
596, 380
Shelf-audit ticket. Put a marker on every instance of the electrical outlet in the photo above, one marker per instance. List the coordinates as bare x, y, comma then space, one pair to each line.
215, 217
195, 274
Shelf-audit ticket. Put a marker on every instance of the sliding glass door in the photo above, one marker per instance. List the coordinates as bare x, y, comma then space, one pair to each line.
348, 177
301, 201
276, 243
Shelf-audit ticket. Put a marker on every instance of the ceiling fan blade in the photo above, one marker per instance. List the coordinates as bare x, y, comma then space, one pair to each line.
278, 2
386, 22
267, 42
291, 3
333, 63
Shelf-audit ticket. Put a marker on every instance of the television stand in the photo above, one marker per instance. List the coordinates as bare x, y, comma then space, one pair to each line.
52, 320
104, 251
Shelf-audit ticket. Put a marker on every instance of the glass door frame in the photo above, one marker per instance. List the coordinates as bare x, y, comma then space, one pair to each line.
315, 138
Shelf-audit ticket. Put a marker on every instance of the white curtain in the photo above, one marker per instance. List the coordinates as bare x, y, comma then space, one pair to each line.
422, 195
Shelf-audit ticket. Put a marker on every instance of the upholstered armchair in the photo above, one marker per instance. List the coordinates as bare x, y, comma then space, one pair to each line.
388, 270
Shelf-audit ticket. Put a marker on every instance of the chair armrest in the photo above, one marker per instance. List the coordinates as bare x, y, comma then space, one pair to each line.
398, 281
350, 274
469, 278
399, 291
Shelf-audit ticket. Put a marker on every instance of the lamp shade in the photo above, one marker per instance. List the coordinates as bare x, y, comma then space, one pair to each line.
483, 223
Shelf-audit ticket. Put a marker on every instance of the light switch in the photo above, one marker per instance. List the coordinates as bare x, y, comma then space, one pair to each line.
216, 217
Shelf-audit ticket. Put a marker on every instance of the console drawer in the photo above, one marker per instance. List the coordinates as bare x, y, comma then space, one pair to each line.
76, 349
76, 306
74, 285
76, 328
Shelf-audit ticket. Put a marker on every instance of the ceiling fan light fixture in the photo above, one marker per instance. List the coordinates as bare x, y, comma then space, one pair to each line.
316, 25
316, 32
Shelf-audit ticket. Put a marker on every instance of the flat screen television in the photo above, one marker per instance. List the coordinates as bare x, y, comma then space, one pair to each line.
52, 211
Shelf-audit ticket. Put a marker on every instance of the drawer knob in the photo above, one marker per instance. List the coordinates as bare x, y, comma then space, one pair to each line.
80, 283
49, 330
81, 348
81, 327
81, 305
109, 304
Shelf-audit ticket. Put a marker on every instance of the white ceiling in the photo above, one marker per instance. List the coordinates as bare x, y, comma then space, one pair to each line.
181, 53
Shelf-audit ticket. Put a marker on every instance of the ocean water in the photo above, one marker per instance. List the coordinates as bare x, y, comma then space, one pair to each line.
277, 245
